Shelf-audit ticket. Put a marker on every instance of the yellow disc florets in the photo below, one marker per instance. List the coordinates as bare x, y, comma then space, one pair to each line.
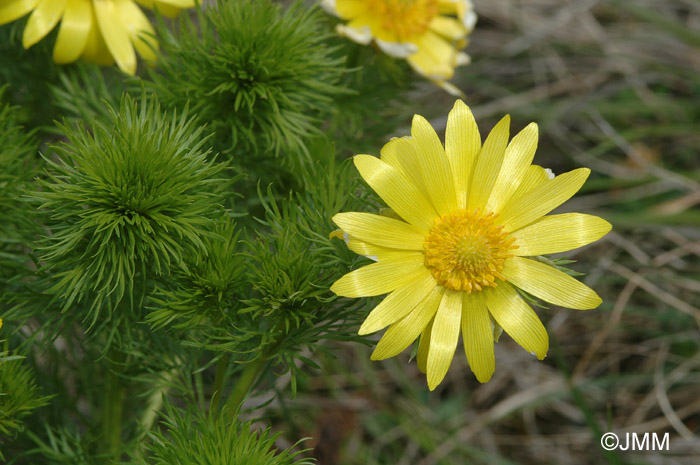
406, 18
465, 250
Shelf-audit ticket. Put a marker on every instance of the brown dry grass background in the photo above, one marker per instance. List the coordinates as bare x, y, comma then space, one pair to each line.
614, 86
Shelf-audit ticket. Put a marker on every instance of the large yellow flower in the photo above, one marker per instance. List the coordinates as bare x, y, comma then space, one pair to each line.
424, 32
101, 31
465, 216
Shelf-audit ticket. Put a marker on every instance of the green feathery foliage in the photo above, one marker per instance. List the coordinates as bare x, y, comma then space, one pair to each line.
269, 294
125, 204
17, 150
19, 395
204, 293
86, 92
61, 446
192, 439
262, 77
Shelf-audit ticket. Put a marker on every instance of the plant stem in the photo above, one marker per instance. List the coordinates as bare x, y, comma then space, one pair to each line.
113, 409
155, 400
221, 367
245, 382
199, 390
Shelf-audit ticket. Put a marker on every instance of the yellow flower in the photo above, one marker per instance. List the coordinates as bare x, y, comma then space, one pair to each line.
452, 256
424, 32
101, 31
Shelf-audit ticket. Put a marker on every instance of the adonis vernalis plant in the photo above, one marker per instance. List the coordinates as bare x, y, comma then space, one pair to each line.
454, 258
158, 306
125, 202
261, 76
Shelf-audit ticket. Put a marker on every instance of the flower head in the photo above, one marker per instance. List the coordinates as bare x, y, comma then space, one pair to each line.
454, 255
427, 33
101, 31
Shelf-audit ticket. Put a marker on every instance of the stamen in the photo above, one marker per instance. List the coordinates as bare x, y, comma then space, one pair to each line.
465, 250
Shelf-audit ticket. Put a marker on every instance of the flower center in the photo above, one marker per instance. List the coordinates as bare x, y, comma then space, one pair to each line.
405, 18
465, 250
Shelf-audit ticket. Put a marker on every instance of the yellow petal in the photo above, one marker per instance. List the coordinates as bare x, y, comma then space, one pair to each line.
461, 8
397, 191
399, 303
74, 31
559, 233
477, 333
348, 9
518, 158
434, 57
116, 34
444, 337
165, 6
434, 166
424, 347
549, 284
139, 28
488, 164
381, 230
542, 199
178, 3
401, 334
390, 153
517, 319
371, 251
534, 176
400, 153
451, 7
381, 278
462, 145
95, 48
345, 9
12, 10
448, 27
167, 9
44, 18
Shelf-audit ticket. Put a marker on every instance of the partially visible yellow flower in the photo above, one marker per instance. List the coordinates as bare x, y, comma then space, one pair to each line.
468, 215
427, 33
101, 31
